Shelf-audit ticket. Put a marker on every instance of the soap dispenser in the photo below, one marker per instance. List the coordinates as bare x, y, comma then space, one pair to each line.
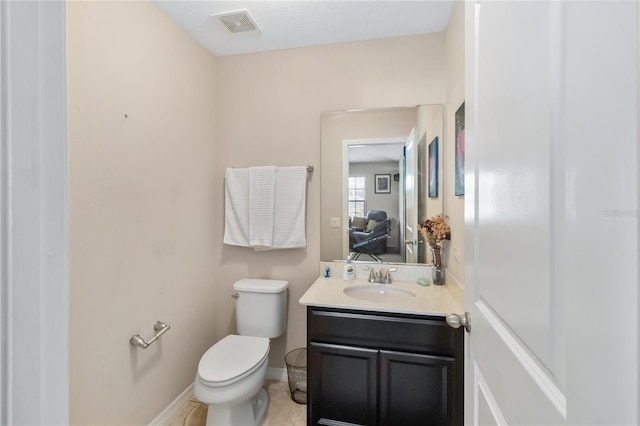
349, 270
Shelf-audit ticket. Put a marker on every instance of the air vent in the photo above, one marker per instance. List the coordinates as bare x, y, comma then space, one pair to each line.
237, 22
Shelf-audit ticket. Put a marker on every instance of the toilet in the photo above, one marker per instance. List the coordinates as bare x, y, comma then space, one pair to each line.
232, 372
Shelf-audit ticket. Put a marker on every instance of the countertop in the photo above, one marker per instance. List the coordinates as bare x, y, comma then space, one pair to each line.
429, 300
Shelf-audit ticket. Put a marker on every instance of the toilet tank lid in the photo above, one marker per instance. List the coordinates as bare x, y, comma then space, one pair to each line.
257, 285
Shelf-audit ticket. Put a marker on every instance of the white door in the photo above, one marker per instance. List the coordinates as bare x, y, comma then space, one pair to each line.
411, 199
551, 211
34, 257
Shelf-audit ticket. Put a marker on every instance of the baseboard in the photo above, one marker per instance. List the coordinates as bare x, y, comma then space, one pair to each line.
275, 373
165, 416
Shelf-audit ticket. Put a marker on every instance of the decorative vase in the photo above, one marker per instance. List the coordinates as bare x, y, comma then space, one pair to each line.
437, 275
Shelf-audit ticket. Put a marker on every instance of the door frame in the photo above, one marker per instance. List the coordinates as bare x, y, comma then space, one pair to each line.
34, 254
345, 182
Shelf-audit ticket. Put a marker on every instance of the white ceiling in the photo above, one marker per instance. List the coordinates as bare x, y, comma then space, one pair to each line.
302, 23
376, 153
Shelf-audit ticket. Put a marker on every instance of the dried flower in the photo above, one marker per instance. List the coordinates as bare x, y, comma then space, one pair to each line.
435, 230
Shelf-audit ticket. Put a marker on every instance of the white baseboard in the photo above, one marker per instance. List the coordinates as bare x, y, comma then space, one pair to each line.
275, 373
165, 416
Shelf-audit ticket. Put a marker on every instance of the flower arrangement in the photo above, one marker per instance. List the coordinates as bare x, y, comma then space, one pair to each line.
435, 230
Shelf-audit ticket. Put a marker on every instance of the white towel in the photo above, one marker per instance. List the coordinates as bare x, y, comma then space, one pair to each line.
262, 187
289, 210
236, 207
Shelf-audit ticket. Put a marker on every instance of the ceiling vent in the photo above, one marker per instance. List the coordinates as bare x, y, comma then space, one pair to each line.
237, 22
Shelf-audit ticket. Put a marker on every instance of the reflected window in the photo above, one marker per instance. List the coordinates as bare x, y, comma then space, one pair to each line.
357, 195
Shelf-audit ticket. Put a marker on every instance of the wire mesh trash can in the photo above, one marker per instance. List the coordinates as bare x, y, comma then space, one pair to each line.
296, 361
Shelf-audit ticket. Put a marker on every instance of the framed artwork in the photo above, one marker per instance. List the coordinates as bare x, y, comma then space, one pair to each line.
433, 168
459, 173
383, 184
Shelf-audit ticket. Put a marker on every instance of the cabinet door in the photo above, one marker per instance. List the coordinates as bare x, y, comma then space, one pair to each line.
343, 385
417, 390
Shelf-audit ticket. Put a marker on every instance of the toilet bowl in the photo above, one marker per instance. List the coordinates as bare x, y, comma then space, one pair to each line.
232, 372
230, 378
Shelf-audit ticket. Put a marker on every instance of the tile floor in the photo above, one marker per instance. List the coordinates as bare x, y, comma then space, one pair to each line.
282, 410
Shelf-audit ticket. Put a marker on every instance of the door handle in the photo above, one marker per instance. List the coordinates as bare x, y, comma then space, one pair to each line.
455, 321
409, 242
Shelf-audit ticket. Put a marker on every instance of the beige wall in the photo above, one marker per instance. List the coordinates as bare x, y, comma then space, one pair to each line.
144, 200
454, 206
430, 125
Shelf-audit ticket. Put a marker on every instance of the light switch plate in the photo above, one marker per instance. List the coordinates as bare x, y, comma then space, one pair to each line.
456, 254
334, 222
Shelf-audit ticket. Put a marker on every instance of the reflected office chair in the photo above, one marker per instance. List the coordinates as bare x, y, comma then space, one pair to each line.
373, 243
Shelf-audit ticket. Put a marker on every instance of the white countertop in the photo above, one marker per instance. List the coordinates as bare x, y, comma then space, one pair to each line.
429, 300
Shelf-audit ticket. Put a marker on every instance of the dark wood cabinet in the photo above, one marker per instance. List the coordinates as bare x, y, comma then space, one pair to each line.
343, 383
371, 368
416, 389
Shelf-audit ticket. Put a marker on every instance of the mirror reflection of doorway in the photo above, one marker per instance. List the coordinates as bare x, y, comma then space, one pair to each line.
361, 127
370, 202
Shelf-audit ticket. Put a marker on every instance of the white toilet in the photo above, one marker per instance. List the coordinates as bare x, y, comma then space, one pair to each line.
231, 373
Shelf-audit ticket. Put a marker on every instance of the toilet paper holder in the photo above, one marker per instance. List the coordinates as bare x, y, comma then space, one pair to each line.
159, 327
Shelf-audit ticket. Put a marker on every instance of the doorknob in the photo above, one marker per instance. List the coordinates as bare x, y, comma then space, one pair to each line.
455, 321
409, 242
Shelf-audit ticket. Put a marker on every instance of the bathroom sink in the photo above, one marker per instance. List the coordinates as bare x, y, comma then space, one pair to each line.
379, 293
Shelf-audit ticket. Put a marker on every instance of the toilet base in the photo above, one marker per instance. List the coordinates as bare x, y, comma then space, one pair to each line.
248, 413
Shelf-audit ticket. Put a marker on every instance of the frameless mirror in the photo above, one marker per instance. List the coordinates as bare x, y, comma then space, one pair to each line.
382, 175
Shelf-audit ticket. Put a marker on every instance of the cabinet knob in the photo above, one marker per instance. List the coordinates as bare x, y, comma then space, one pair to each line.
455, 321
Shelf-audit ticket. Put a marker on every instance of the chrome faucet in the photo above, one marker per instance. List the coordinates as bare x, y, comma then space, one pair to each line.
386, 275
381, 276
374, 276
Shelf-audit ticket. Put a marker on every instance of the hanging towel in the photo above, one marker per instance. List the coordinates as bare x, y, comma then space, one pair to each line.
236, 207
289, 210
262, 187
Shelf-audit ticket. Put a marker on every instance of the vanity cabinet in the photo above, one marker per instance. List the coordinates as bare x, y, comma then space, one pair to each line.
373, 368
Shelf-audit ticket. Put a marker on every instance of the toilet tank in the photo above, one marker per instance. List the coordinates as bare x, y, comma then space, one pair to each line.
261, 308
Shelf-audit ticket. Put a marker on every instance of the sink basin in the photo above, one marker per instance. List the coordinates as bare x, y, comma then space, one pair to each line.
379, 293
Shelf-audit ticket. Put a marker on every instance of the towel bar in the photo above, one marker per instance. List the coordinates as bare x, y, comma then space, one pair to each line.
160, 329
310, 168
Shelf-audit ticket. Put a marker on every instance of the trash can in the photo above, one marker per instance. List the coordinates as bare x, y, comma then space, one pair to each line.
296, 361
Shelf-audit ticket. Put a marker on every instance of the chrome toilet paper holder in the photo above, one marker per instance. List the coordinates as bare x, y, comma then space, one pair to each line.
159, 327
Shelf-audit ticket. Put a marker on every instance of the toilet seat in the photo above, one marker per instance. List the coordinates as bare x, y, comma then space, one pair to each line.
232, 359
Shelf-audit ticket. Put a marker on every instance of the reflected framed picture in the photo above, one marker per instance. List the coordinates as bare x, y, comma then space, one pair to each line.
459, 173
433, 168
383, 184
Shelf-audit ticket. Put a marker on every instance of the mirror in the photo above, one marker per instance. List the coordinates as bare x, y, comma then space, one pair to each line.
395, 158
